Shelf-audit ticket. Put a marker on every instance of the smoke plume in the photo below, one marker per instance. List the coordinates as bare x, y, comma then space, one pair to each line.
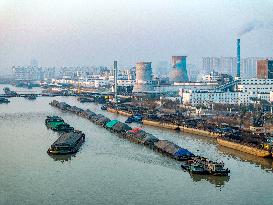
254, 25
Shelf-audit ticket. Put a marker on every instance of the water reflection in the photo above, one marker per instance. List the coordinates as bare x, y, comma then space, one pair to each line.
218, 181
264, 163
63, 158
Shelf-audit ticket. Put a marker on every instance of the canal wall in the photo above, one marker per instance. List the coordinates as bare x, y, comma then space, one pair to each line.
199, 132
119, 112
160, 124
244, 148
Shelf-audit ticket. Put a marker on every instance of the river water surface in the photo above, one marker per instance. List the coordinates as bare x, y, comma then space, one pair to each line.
111, 170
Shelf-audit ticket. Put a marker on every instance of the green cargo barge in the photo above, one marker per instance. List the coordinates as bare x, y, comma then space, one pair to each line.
56, 123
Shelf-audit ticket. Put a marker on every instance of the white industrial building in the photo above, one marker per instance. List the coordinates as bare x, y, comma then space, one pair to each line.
212, 77
210, 97
246, 90
255, 85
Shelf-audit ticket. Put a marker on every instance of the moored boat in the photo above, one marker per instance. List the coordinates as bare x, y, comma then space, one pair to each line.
134, 118
193, 167
56, 123
85, 99
9, 92
129, 120
31, 97
104, 107
67, 143
201, 165
213, 168
4, 100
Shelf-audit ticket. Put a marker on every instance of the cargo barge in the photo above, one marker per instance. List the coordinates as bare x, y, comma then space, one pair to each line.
56, 123
135, 135
30, 97
67, 143
85, 100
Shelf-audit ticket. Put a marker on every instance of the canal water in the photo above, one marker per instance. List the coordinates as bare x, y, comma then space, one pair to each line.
111, 170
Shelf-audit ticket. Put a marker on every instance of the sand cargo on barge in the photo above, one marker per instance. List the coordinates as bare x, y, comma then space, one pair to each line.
172, 150
67, 143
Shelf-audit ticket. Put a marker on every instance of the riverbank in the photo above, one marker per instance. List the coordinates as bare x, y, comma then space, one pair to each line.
244, 148
239, 147
119, 112
181, 128
168, 125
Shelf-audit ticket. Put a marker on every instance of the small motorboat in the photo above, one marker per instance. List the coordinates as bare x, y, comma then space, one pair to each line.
129, 120
193, 167
4, 100
201, 165
135, 118
85, 100
31, 97
104, 107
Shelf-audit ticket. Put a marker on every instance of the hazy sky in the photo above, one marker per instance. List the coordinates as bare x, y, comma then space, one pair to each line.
96, 32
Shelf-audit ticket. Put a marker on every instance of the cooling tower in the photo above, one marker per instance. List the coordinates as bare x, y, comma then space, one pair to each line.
143, 77
179, 69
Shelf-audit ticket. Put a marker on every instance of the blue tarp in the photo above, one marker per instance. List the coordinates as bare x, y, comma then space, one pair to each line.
182, 152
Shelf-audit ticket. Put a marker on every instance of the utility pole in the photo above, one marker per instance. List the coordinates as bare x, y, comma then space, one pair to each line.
115, 79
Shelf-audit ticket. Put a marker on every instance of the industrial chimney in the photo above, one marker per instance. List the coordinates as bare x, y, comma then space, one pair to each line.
116, 79
238, 58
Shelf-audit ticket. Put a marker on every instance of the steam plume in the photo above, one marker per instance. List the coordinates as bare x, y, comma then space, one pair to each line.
254, 25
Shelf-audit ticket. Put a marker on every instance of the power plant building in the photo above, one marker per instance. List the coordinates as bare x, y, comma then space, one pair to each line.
249, 67
265, 69
226, 65
144, 80
179, 69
